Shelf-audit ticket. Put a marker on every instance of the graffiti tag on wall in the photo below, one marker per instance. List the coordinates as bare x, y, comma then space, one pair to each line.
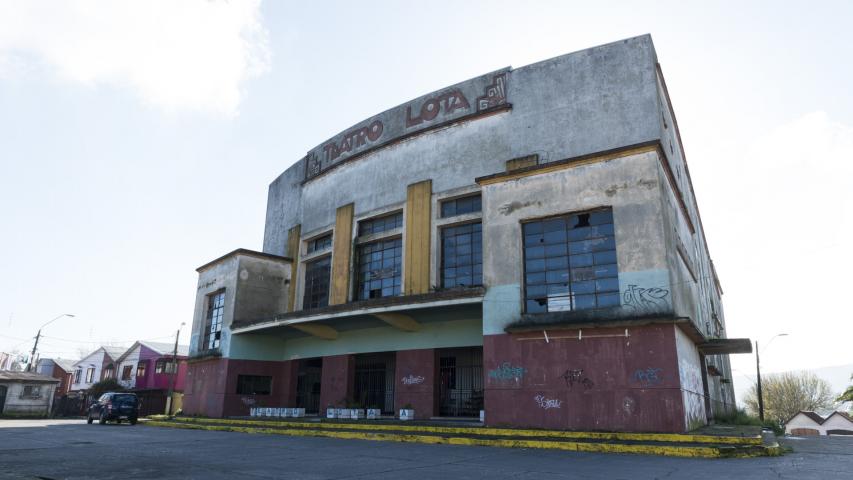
648, 377
645, 300
507, 372
573, 377
413, 380
547, 403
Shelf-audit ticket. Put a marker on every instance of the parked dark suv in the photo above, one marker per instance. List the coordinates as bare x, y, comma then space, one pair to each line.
115, 406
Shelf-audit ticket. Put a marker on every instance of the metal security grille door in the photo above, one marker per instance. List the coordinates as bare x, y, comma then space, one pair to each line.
460, 386
374, 381
308, 384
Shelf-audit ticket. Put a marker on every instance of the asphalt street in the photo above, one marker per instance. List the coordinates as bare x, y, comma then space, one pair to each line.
59, 449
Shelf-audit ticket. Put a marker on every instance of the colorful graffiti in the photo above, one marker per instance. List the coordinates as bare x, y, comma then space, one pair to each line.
648, 377
547, 403
413, 380
507, 372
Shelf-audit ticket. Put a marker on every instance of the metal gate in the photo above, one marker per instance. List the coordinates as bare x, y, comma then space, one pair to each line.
374, 381
460, 382
308, 384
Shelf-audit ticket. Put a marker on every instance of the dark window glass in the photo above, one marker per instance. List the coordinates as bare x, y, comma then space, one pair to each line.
461, 206
380, 224
140, 369
215, 310
570, 263
379, 266
317, 275
254, 385
320, 243
462, 255
126, 371
164, 365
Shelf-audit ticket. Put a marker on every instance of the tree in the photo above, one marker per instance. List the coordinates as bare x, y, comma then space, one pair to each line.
787, 393
104, 386
847, 396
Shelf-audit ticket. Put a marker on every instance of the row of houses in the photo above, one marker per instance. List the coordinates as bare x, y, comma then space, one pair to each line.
62, 386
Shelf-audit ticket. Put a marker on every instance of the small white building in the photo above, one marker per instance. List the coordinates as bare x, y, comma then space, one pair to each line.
810, 423
26, 394
97, 366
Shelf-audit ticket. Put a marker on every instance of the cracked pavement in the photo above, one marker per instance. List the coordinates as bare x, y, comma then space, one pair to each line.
60, 449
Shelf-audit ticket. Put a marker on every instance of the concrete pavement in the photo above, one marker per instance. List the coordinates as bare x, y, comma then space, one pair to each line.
55, 449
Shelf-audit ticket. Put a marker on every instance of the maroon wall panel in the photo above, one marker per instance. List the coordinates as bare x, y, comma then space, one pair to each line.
610, 383
415, 381
204, 391
336, 383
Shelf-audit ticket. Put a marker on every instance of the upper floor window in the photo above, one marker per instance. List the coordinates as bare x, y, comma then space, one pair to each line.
317, 275
320, 243
380, 224
126, 371
462, 255
570, 263
90, 375
379, 267
254, 385
77, 374
164, 365
31, 391
460, 206
140, 369
213, 323
109, 371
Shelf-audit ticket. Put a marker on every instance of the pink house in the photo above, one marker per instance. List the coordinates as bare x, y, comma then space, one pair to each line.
148, 366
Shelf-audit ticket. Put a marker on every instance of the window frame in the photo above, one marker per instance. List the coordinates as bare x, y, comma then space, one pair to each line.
141, 367
385, 231
442, 256
478, 195
211, 340
33, 393
126, 372
90, 374
311, 246
306, 291
358, 283
164, 365
524, 262
252, 379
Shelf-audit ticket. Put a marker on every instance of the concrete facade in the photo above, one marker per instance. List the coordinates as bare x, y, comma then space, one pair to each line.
590, 131
26, 394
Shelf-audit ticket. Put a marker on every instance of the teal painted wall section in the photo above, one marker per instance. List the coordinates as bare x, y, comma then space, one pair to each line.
458, 333
501, 307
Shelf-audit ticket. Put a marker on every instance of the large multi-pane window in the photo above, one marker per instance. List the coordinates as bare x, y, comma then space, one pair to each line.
570, 263
213, 324
317, 275
379, 266
460, 206
380, 224
462, 255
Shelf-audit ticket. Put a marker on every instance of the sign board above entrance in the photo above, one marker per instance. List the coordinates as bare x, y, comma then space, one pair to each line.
464, 101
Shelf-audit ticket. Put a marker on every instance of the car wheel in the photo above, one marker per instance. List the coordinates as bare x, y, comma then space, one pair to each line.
89, 419
102, 419
132, 421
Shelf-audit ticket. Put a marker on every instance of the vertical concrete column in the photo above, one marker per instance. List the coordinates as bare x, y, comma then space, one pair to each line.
415, 384
336, 380
293, 236
341, 254
416, 252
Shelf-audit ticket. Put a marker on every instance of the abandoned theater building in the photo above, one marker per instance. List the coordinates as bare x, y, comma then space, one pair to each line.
526, 243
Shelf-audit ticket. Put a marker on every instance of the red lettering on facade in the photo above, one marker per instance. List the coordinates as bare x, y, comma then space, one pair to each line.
448, 103
353, 140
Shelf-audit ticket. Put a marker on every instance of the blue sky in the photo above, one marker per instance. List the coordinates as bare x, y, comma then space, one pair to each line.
137, 141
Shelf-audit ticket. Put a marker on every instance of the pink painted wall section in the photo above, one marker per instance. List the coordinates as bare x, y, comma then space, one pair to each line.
336, 382
211, 386
604, 381
415, 381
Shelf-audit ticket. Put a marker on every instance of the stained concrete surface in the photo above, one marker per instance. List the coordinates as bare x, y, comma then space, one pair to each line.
58, 449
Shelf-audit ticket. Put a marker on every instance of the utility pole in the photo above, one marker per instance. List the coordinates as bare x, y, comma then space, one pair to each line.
38, 335
758, 384
174, 371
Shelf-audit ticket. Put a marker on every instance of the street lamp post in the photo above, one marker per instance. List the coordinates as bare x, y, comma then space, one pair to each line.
174, 370
38, 335
758, 376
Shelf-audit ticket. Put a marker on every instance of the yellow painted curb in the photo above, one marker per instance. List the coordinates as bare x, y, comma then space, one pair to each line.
667, 450
489, 431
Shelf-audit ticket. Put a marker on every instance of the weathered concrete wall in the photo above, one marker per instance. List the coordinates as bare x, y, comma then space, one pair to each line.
26, 406
630, 185
222, 275
593, 100
690, 378
608, 382
416, 381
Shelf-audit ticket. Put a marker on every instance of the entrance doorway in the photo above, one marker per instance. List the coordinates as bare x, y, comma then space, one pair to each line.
374, 381
460, 382
308, 384
2, 397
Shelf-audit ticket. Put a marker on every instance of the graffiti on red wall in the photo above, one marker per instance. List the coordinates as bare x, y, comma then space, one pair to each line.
648, 377
507, 372
575, 376
413, 379
547, 403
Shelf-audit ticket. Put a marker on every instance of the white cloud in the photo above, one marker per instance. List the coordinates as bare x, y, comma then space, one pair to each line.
178, 55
